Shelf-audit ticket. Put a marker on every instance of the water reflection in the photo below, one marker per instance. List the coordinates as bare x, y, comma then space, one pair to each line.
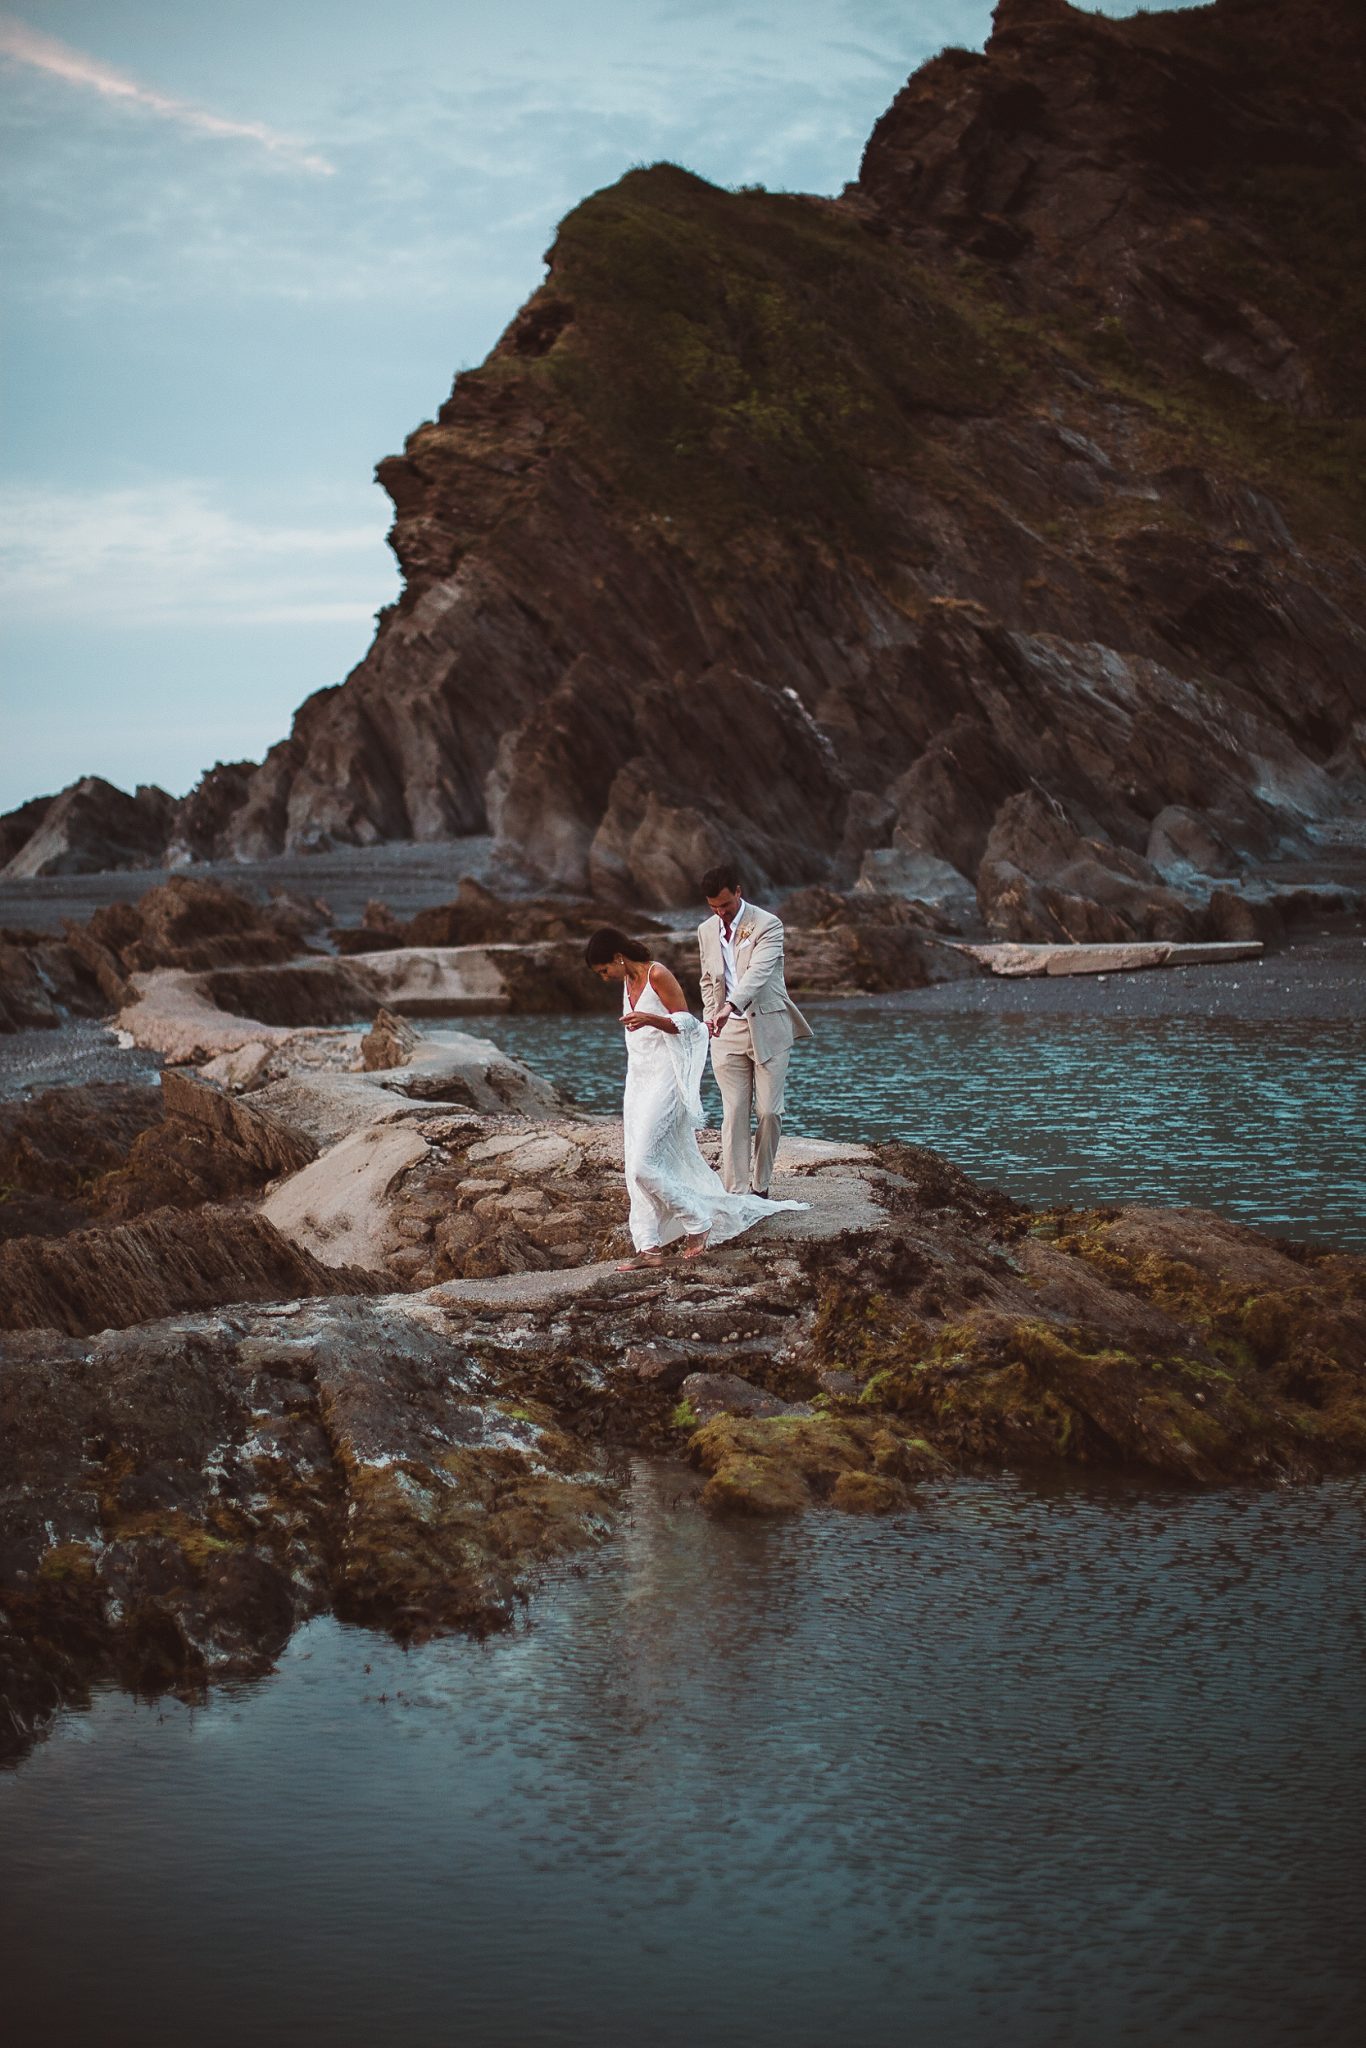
1046, 1765
1261, 1121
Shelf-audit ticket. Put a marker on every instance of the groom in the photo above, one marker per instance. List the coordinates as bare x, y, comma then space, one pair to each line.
752, 1022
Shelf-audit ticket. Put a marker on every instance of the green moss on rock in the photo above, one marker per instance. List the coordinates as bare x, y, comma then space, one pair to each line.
749, 359
781, 1463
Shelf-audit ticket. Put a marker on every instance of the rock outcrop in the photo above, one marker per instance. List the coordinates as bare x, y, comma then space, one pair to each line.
136, 1272
56, 1146
176, 1497
188, 923
90, 826
833, 534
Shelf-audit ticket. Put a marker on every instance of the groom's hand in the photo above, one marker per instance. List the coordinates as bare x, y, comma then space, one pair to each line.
720, 1020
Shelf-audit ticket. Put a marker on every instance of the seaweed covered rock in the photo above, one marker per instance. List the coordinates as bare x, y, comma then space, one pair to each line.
176, 1498
1168, 1340
779, 1464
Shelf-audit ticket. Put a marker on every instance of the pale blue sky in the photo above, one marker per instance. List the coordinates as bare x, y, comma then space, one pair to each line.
248, 244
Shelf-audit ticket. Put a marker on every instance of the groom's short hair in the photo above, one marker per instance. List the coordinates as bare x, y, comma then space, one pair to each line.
722, 876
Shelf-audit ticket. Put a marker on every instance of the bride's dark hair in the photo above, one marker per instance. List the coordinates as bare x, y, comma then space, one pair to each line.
607, 942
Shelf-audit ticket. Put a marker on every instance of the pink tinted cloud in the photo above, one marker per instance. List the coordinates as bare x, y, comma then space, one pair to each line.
25, 45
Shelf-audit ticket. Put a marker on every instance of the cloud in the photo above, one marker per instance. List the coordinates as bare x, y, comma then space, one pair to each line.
167, 552
25, 45
452, 173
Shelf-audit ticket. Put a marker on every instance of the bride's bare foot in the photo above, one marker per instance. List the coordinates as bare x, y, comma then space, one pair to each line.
641, 1259
695, 1247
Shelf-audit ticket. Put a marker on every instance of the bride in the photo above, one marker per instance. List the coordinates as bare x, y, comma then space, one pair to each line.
674, 1193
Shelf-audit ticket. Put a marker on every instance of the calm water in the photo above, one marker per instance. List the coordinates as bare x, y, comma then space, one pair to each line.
1022, 1767
1261, 1121
1028, 1767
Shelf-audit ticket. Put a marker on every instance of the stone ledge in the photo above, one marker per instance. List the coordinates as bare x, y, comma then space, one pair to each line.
1019, 960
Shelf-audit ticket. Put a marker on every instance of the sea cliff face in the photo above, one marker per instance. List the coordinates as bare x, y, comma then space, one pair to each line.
1006, 510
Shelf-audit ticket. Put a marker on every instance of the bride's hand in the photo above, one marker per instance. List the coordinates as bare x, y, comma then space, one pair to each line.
638, 1023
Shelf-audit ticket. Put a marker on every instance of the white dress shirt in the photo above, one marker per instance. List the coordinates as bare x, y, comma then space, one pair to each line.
728, 946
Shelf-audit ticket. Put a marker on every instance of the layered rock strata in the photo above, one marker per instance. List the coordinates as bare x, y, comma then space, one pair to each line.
1004, 513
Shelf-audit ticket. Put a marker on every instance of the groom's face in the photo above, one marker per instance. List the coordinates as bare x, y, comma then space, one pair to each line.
725, 905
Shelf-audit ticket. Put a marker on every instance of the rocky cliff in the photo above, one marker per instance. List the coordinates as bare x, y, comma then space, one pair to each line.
1006, 511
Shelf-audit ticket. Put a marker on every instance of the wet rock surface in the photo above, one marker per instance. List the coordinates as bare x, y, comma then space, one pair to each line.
179, 1497
410, 1444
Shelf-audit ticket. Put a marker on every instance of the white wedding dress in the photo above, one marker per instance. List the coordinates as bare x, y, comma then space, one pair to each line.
674, 1193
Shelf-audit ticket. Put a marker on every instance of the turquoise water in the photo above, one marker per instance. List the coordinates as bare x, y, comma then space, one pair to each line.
1042, 1768
1261, 1121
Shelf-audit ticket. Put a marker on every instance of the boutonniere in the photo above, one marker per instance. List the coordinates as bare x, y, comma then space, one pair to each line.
743, 937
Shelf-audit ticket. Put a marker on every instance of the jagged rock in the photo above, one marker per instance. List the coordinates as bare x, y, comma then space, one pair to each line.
106, 1279
205, 814
1018, 467
43, 981
25, 1002
921, 879
193, 1018
180, 1162
478, 917
390, 1042
377, 916
186, 924
1181, 844
242, 1069
91, 826
863, 957
199, 924
1257, 912
273, 1146
175, 1498
313, 1084
525, 978
172, 1013
377, 930
17, 827
56, 1147
1042, 878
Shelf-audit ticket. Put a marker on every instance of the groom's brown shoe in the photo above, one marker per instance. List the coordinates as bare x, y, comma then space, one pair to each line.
762, 1193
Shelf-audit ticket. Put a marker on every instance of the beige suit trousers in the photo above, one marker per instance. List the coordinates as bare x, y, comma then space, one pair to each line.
749, 1087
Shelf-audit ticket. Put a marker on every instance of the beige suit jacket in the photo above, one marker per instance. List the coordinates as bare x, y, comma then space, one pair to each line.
760, 991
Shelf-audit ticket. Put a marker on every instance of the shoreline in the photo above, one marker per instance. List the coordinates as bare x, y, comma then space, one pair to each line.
1313, 976
1317, 979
